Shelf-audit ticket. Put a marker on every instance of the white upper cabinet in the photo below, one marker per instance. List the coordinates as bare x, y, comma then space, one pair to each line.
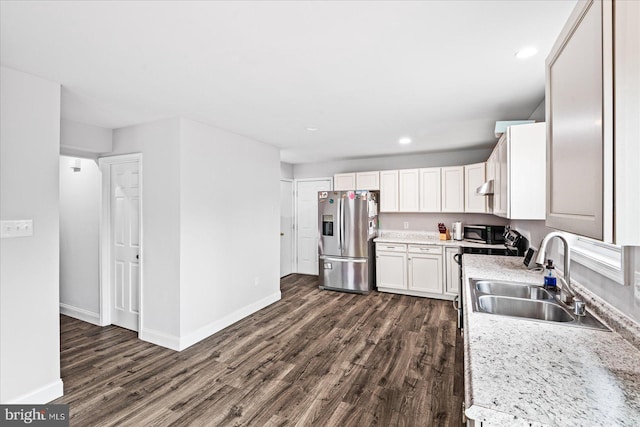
356, 181
474, 177
430, 190
409, 195
344, 181
453, 189
368, 180
389, 191
593, 156
518, 167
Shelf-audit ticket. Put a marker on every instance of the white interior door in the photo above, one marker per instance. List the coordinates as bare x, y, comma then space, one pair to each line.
286, 228
307, 220
125, 228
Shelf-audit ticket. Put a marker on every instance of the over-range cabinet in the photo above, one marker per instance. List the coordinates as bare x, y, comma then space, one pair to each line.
347, 224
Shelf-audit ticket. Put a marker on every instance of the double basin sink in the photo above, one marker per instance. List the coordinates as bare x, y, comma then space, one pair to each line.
526, 301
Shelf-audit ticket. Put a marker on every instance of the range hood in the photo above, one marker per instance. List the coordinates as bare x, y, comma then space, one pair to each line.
486, 189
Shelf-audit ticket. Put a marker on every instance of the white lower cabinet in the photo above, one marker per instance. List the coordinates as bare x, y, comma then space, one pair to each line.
452, 271
391, 266
419, 270
425, 268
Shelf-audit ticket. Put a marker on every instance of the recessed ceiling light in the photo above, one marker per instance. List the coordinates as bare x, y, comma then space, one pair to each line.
404, 140
526, 52
312, 129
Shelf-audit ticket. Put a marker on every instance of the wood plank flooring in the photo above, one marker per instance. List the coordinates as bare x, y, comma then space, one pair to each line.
314, 358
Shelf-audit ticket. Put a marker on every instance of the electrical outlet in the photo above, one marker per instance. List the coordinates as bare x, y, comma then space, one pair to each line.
406, 225
17, 228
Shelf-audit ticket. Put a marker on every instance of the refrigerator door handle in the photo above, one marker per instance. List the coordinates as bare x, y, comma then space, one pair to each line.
334, 259
341, 215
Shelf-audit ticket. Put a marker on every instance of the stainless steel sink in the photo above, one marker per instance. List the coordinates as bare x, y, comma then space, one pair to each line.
517, 307
526, 301
513, 289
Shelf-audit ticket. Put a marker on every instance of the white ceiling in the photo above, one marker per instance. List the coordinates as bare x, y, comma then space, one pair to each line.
364, 73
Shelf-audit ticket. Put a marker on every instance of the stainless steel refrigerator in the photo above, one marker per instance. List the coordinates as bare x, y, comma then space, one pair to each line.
347, 224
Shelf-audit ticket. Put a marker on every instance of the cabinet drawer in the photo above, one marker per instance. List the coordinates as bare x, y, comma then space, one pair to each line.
421, 249
390, 247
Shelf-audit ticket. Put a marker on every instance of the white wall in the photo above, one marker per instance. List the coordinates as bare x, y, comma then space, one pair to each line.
429, 221
448, 158
229, 228
286, 170
82, 140
159, 144
29, 294
80, 194
211, 227
539, 113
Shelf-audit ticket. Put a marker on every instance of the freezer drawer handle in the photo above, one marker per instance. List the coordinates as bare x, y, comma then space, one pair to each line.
357, 260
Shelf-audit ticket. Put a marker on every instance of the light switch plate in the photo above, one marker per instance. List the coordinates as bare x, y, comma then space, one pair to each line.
16, 228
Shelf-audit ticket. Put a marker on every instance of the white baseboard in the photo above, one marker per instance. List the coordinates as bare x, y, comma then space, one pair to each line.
80, 314
210, 329
41, 395
162, 339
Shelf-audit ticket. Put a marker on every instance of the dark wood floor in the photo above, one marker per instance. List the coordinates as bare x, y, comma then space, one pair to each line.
313, 358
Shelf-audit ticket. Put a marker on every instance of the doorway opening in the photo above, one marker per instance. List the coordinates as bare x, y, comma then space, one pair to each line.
80, 195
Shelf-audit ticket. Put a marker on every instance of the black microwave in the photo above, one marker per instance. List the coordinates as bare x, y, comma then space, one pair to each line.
489, 234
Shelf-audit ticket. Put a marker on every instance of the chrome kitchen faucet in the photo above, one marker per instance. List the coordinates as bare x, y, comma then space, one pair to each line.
567, 294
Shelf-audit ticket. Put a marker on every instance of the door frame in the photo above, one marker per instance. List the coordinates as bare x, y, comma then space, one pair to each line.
294, 254
106, 242
295, 212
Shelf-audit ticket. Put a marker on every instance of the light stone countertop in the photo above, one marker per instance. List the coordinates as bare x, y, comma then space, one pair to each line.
526, 373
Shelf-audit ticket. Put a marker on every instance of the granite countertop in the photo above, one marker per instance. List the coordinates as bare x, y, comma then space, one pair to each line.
426, 238
528, 373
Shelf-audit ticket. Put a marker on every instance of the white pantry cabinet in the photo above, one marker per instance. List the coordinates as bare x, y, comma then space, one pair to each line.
344, 181
474, 177
391, 265
430, 190
409, 194
593, 155
389, 191
453, 189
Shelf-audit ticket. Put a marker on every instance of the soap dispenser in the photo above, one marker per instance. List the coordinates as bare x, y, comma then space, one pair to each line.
549, 275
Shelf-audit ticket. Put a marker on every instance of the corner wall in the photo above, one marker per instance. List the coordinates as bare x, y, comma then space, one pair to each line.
158, 142
29, 266
229, 229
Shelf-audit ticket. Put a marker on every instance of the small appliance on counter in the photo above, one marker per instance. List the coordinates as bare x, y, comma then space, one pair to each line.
515, 242
456, 231
489, 234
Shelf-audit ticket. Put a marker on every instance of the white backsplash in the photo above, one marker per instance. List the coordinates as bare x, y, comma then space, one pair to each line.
429, 221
